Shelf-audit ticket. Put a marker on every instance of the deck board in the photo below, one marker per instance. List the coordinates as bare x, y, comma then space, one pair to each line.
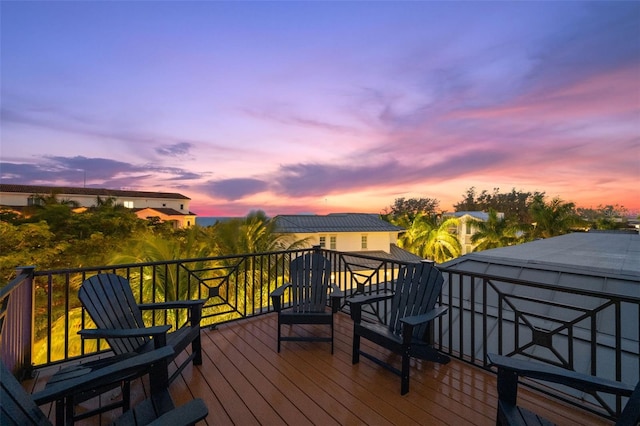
244, 381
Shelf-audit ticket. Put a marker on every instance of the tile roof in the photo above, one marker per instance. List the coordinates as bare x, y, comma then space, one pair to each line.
39, 189
164, 210
334, 222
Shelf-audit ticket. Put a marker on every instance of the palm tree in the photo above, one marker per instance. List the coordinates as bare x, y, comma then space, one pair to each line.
258, 275
431, 239
253, 234
495, 232
552, 219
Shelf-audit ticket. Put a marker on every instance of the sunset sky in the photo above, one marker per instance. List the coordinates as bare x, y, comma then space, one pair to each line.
319, 107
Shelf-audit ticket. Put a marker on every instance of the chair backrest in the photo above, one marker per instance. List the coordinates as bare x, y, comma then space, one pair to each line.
417, 289
309, 275
109, 301
16, 405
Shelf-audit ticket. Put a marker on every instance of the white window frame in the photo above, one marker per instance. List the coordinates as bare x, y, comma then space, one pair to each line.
333, 242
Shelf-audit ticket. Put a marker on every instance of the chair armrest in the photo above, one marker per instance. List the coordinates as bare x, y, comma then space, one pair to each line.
364, 299
175, 304
187, 414
424, 318
105, 333
279, 292
194, 306
137, 364
336, 292
335, 295
355, 303
276, 296
551, 373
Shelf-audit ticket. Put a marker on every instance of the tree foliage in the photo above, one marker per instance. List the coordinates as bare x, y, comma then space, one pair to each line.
403, 211
496, 232
431, 238
553, 218
515, 204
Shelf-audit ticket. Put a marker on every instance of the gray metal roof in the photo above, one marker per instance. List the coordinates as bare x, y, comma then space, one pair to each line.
335, 222
600, 261
480, 215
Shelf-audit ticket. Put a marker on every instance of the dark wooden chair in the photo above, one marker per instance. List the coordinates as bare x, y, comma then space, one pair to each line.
509, 369
18, 407
109, 301
309, 291
413, 307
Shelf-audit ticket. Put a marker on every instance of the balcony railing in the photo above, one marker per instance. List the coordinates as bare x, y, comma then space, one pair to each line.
567, 327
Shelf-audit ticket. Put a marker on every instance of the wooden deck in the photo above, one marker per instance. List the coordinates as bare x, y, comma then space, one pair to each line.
244, 381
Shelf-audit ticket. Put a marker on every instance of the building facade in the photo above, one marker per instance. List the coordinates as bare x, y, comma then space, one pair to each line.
166, 206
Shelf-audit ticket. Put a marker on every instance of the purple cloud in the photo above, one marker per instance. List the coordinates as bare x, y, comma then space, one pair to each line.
234, 189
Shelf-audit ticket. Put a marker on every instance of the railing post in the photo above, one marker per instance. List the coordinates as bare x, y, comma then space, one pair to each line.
16, 322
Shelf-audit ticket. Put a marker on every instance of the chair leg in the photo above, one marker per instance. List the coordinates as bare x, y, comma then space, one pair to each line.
126, 396
332, 337
196, 349
356, 349
279, 334
406, 363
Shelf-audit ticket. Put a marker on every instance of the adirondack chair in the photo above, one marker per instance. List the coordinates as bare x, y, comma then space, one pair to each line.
413, 307
18, 407
509, 369
109, 301
309, 289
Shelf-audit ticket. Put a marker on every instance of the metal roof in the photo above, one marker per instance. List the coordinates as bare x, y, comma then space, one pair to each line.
605, 264
600, 261
335, 222
480, 215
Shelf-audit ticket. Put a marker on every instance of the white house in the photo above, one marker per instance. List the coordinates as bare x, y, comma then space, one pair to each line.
164, 205
348, 232
466, 227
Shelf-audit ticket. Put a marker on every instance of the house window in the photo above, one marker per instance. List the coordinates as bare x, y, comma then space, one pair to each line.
128, 204
332, 242
468, 228
35, 200
181, 206
363, 240
323, 241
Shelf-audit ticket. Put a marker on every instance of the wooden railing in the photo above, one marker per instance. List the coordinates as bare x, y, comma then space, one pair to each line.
16, 322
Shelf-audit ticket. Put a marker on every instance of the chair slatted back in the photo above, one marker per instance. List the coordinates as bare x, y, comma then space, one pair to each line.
417, 289
109, 301
309, 275
16, 405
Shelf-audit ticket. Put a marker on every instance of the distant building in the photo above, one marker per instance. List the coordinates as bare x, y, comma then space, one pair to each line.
168, 207
466, 227
348, 232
